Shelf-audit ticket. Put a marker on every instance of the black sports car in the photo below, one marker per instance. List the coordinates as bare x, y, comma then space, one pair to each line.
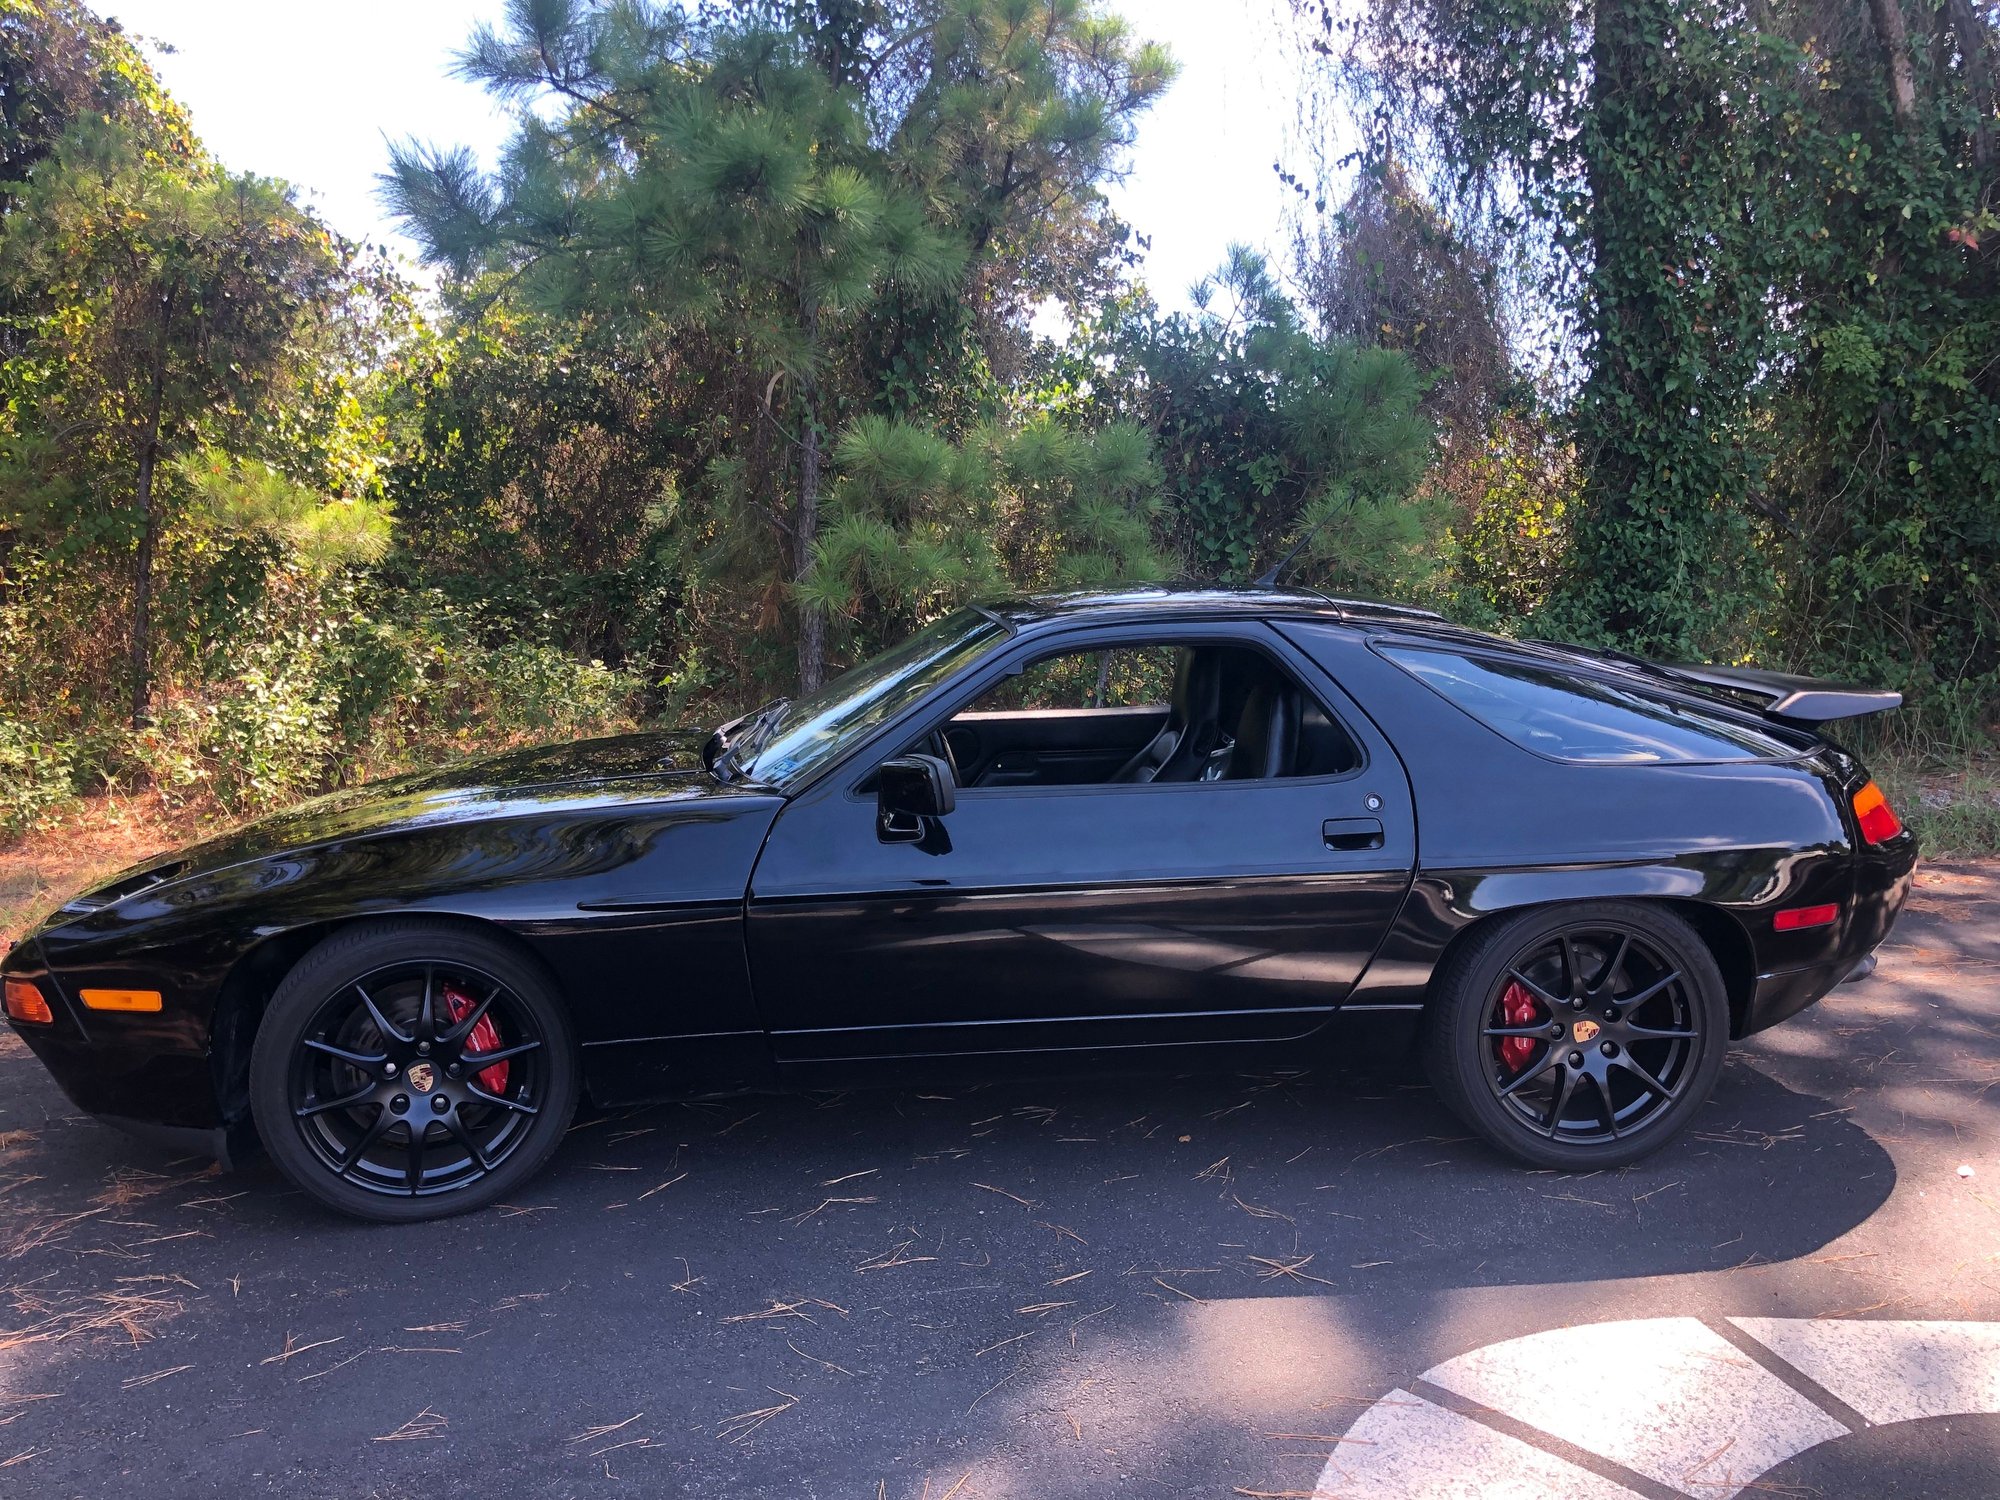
1094, 829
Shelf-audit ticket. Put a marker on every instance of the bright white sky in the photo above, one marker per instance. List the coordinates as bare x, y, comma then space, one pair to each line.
313, 93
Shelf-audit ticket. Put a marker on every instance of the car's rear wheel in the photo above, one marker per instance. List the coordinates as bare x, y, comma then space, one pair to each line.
1580, 1036
409, 1070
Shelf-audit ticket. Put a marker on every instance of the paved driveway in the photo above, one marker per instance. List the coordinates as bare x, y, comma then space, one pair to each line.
1201, 1286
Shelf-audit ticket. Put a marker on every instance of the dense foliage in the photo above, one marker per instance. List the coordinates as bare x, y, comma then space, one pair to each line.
1768, 235
1665, 322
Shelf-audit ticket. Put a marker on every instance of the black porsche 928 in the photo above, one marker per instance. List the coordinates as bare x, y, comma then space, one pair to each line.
1092, 829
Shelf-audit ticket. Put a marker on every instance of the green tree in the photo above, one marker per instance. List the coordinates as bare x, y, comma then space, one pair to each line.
167, 309
1267, 431
58, 64
918, 522
1766, 235
806, 189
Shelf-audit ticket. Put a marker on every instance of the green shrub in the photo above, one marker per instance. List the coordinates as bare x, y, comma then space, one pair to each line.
38, 777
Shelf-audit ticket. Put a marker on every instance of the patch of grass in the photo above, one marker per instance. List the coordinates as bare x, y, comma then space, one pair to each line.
1953, 805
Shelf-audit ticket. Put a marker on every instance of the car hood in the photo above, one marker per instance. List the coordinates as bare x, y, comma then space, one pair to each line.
652, 767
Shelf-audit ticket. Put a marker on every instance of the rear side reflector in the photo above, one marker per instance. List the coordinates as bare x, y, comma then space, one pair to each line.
1793, 918
26, 1002
1878, 820
121, 999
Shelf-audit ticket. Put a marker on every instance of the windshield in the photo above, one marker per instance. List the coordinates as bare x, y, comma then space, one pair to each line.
819, 728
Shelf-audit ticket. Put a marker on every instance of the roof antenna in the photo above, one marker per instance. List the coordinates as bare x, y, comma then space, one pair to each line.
1268, 579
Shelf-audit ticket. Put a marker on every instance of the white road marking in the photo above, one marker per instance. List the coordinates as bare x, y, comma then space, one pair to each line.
1664, 1397
1404, 1445
1667, 1397
1890, 1371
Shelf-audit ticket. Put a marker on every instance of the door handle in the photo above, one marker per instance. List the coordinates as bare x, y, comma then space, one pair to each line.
1352, 833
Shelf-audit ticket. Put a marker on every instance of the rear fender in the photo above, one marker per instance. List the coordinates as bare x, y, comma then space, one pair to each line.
1444, 907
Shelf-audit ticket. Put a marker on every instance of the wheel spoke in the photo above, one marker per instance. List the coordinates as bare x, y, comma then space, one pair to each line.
463, 1029
1535, 989
352, 1059
413, 1167
456, 1128
1651, 1084
427, 1015
1529, 1073
320, 1108
393, 1033
1572, 975
353, 1154
1554, 1122
1604, 1098
514, 1104
1632, 1002
1654, 1034
1615, 964
478, 1061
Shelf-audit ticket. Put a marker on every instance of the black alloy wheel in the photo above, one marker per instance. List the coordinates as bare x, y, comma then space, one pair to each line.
1579, 1037
411, 1070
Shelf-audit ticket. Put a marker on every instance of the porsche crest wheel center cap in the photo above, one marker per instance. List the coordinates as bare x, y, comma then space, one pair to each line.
422, 1076
1583, 1031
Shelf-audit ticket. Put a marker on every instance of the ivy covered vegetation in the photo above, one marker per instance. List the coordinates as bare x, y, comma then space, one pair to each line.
1669, 324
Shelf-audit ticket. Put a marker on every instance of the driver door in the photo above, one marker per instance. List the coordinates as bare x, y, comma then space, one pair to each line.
1059, 913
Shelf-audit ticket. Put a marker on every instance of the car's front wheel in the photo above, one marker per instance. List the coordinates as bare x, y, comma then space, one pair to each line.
1579, 1037
408, 1070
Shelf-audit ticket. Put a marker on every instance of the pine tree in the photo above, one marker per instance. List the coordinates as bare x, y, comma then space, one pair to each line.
806, 189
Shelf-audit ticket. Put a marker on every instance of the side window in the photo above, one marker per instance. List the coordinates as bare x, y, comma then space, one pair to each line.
1138, 714
1579, 719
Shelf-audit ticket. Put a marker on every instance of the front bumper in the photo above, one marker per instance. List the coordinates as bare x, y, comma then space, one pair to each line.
170, 1090
129, 1081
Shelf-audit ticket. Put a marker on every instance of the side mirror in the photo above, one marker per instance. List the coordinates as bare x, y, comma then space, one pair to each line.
908, 790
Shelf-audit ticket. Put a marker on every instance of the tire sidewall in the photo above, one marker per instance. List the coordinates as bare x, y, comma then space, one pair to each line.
346, 957
1456, 1049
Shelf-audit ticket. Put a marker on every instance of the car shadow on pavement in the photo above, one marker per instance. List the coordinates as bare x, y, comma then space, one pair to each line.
860, 1286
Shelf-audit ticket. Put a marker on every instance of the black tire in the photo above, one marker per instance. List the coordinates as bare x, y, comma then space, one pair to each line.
363, 1039
1578, 1087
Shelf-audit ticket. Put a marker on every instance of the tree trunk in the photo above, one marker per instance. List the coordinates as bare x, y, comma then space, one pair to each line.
1975, 46
805, 519
805, 533
149, 526
1895, 40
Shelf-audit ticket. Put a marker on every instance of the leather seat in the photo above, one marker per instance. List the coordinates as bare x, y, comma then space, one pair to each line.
1267, 734
1193, 729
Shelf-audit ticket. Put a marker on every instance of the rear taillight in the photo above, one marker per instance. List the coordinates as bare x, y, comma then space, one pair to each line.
1877, 819
26, 1002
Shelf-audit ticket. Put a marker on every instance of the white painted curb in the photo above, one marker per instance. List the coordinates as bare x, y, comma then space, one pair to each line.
1670, 1402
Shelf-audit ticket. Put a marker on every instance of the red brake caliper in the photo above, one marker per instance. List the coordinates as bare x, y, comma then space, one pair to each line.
485, 1037
1517, 1008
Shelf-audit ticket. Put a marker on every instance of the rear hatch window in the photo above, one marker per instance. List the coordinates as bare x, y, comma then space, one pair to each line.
1587, 720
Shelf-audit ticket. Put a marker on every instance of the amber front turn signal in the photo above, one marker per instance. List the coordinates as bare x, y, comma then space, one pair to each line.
26, 1002
121, 999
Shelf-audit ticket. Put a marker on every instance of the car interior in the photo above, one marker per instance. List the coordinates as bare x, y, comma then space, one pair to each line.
1134, 715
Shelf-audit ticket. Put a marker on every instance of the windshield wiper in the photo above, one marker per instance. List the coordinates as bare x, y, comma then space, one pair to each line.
750, 739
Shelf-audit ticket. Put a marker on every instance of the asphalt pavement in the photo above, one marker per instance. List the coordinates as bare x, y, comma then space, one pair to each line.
1200, 1286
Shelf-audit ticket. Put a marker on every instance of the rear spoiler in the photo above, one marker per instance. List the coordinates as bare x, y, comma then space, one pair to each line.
1809, 700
